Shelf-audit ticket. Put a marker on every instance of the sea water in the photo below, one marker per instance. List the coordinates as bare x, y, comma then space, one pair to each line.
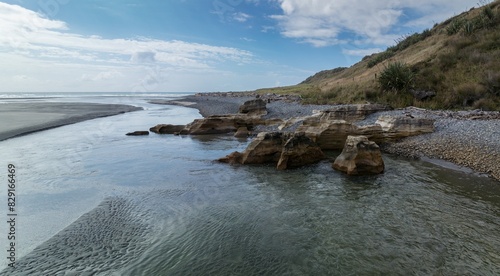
92, 201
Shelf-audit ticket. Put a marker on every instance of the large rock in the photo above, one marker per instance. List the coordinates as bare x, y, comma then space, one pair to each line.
351, 112
299, 150
287, 150
257, 106
359, 157
167, 129
242, 132
404, 126
222, 124
332, 134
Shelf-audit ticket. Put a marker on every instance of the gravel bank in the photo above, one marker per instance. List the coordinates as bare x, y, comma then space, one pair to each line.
467, 138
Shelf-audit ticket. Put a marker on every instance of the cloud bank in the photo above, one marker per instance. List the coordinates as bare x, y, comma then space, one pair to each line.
326, 22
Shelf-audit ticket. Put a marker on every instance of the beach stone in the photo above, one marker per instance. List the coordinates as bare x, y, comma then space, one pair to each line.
167, 129
360, 157
138, 133
299, 150
256, 106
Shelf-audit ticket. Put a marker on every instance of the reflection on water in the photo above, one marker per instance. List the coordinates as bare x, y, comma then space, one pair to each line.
160, 205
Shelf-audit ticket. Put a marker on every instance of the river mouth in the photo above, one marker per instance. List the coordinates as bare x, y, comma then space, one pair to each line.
160, 205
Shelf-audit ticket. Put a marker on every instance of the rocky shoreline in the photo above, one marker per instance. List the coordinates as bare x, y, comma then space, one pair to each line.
467, 138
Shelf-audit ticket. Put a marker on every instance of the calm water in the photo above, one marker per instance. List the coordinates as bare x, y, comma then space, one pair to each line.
96, 202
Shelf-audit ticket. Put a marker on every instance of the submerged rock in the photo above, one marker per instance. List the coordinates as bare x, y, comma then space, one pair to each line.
138, 133
360, 157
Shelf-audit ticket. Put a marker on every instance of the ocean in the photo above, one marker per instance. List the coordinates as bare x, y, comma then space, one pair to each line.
92, 201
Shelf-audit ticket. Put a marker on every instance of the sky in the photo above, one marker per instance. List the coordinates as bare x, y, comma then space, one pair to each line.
196, 45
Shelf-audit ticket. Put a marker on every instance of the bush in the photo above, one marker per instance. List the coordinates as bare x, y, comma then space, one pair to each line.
379, 58
396, 77
454, 26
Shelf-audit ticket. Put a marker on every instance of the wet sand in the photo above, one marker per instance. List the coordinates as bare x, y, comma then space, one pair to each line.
24, 118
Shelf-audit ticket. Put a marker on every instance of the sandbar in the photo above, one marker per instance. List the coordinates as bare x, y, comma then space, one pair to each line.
23, 118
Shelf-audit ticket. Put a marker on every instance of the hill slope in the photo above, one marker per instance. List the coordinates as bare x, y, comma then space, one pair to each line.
457, 60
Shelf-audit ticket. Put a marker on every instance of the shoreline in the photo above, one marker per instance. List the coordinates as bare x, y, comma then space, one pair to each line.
25, 118
467, 139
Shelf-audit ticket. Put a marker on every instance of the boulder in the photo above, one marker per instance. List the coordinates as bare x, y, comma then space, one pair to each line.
351, 112
360, 157
167, 129
138, 133
257, 106
423, 95
242, 132
299, 150
287, 150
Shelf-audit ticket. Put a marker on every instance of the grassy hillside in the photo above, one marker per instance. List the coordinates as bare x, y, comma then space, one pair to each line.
457, 60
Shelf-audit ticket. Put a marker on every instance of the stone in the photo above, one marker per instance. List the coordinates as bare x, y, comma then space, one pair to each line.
222, 124
286, 150
299, 150
351, 112
256, 106
422, 95
138, 133
396, 127
242, 132
360, 157
167, 129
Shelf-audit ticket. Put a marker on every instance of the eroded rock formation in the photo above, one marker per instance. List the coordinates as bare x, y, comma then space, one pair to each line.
167, 129
286, 150
254, 107
360, 157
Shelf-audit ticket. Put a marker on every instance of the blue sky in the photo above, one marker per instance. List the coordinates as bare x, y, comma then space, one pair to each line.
196, 45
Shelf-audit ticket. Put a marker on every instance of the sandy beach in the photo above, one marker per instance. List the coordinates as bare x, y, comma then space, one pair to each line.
24, 118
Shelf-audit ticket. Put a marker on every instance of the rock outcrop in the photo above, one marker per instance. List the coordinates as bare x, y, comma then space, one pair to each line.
286, 150
167, 129
254, 107
332, 134
138, 133
299, 150
360, 157
404, 126
351, 112
222, 124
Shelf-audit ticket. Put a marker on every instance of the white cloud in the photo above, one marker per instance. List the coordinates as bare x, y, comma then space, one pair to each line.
241, 17
53, 58
322, 22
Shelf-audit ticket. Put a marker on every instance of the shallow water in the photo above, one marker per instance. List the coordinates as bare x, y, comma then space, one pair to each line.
96, 202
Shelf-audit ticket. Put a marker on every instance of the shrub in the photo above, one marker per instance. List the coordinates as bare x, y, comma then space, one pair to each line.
396, 77
379, 58
492, 83
469, 28
465, 95
454, 27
